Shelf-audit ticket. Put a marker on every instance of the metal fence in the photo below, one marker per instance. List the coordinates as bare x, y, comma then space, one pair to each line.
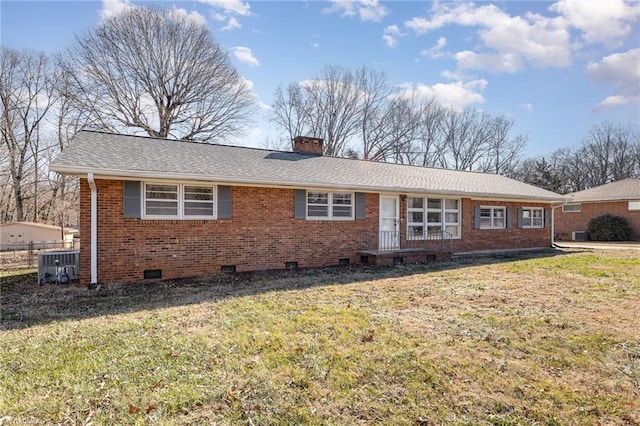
22, 255
439, 241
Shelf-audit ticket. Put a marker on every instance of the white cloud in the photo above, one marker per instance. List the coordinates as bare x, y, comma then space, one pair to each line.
511, 41
245, 55
194, 16
391, 34
230, 7
457, 95
315, 43
435, 51
604, 22
527, 106
506, 62
621, 69
231, 25
371, 10
615, 101
112, 8
367, 10
227, 10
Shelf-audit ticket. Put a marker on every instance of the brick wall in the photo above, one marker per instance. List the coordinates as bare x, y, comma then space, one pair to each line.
499, 239
262, 234
568, 222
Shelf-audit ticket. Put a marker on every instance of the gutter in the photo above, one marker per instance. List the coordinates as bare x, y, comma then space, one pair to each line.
94, 230
553, 222
283, 183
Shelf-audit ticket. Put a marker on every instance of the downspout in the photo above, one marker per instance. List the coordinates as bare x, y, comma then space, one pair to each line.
553, 223
94, 230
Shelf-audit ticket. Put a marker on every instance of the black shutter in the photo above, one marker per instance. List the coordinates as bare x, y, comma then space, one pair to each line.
300, 204
547, 218
509, 217
132, 199
224, 202
360, 210
520, 217
477, 217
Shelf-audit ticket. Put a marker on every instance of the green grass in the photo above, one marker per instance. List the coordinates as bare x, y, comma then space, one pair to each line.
520, 340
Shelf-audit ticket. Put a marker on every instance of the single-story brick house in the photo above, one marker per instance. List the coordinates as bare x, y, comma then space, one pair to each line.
620, 198
157, 208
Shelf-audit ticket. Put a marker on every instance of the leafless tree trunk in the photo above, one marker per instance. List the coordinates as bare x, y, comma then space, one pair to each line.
26, 95
502, 153
160, 73
432, 147
376, 114
289, 111
466, 138
333, 108
610, 149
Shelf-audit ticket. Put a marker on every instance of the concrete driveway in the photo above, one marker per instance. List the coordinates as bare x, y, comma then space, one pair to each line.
617, 245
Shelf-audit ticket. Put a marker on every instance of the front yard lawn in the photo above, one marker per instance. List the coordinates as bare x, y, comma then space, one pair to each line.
549, 338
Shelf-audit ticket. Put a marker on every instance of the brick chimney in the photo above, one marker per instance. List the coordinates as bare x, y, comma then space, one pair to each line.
307, 145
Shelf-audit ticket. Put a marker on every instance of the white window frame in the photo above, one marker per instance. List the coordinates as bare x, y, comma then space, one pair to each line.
634, 205
493, 217
181, 201
425, 210
532, 225
572, 208
330, 205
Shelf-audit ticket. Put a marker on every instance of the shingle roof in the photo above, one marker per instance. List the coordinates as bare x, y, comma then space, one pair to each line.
142, 157
625, 189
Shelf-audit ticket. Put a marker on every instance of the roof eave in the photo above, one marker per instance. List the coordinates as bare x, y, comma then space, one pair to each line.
144, 174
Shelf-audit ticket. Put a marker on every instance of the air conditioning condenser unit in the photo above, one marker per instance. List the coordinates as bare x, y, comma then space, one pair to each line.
58, 267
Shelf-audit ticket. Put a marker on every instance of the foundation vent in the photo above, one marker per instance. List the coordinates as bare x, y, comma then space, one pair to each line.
291, 265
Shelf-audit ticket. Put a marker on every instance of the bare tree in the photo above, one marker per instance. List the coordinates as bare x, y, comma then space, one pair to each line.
289, 110
432, 147
160, 73
610, 149
333, 108
466, 137
502, 153
376, 114
608, 153
26, 95
328, 106
361, 109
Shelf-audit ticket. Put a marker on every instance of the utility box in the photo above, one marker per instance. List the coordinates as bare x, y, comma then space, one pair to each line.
53, 264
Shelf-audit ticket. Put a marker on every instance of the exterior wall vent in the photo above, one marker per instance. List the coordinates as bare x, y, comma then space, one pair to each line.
579, 236
343, 262
398, 260
364, 260
228, 269
431, 258
291, 265
150, 274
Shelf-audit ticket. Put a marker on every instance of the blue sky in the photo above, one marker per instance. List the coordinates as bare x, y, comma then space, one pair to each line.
557, 68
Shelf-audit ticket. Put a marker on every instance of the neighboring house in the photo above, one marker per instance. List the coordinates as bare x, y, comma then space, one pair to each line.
620, 198
157, 208
18, 235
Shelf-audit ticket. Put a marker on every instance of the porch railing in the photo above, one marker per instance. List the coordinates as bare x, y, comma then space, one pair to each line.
439, 241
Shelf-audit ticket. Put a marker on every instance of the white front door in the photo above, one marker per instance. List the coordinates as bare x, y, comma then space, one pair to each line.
389, 235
